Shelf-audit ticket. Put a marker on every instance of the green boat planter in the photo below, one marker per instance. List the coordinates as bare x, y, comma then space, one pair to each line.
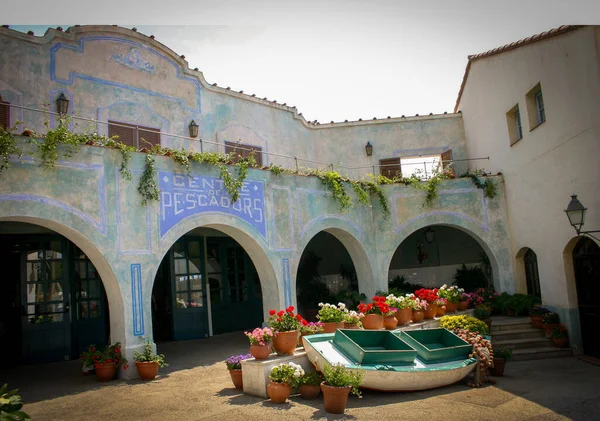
374, 347
436, 345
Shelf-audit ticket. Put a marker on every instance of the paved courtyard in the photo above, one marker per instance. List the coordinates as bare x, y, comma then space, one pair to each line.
196, 386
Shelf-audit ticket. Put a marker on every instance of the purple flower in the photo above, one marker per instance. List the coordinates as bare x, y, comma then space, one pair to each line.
235, 361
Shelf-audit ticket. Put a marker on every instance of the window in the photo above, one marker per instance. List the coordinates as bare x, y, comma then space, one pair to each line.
515, 129
535, 107
131, 135
4, 115
422, 167
390, 168
244, 151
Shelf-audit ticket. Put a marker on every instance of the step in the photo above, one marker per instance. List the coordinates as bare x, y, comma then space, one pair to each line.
541, 353
516, 325
530, 333
523, 343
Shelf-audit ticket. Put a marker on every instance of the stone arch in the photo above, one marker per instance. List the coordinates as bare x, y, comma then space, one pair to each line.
245, 235
499, 260
570, 269
521, 285
348, 234
104, 268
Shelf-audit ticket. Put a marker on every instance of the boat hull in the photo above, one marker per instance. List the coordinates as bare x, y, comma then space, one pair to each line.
420, 376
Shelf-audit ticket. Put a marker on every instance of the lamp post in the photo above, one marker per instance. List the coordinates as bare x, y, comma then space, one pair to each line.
193, 127
576, 213
369, 149
62, 104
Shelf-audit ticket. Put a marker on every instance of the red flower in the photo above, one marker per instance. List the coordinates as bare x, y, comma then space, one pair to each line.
272, 312
299, 317
109, 361
126, 366
304, 322
281, 313
290, 309
93, 349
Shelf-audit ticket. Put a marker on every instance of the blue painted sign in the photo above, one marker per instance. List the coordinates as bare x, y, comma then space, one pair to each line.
183, 196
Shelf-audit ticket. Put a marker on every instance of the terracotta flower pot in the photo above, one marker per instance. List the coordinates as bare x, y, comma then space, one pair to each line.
441, 310
462, 305
236, 378
498, 369
451, 307
335, 398
431, 311
404, 316
373, 321
417, 316
560, 342
331, 327
285, 342
548, 329
309, 391
278, 392
390, 322
352, 326
536, 320
260, 352
105, 372
147, 370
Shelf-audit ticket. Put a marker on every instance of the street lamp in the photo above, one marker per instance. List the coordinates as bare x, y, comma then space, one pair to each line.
62, 104
369, 149
193, 127
576, 213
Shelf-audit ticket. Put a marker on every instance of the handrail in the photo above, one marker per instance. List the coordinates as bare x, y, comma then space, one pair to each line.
243, 147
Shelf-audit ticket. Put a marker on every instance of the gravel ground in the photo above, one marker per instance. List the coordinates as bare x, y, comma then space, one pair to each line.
197, 386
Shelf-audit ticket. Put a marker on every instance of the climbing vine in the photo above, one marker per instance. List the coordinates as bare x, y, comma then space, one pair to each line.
335, 184
8, 147
488, 186
148, 188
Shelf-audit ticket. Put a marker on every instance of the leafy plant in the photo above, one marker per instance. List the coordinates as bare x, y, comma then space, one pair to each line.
314, 378
488, 186
340, 376
148, 188
330, 313
560, 331
8, 147
520, 304
235, 361
260, 336
311, 328
110, 354
464, 322
275, 169
482, 312
147, 356
399, 286
551, 318
284, 321
470, 279
10, 405
504, 352
289, 373
335, 185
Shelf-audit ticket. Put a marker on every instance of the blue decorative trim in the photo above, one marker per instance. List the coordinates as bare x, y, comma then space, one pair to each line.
287, 287
80, 48
137, 303
290, 217
120, 251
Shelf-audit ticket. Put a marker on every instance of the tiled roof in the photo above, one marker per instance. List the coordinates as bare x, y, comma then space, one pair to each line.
525, 41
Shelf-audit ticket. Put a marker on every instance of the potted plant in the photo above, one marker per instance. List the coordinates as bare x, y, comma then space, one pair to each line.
332, 316
501, 357
389, 319
440, 302
11, 404
484, 312
549, 322
452, 295
536, 315
403, 306
285, 326
147, 362
469, 323
373, 313
106, 361
309, 328
283, 377
309, 385
352, 320
560, 336
419, 307
429, 295
463, 301
87, 361
339, 382
234, 366
260, 342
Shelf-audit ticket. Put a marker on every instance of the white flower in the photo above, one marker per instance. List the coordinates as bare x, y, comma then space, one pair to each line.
341, 306
320, 304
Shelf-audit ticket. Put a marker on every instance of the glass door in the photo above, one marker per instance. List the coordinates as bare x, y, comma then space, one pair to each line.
45, 301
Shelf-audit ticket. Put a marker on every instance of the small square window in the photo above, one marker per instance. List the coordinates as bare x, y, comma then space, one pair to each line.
535, 107
515, 128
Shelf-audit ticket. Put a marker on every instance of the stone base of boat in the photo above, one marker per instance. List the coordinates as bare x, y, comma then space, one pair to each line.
255, 373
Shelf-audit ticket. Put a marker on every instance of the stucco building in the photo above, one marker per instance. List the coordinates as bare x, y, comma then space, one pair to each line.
85, 260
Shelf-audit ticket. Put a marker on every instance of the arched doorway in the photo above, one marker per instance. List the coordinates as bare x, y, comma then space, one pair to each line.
326, 273
532, 276
53, 304
206, 284
439, 254
586, 263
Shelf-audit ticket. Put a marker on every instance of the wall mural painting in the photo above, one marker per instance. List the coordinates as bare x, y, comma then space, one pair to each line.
134, 60
183, 196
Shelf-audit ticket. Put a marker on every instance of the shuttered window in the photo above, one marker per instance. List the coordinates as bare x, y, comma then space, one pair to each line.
4, 115
148, 136
244, 151
390, 168
447, 159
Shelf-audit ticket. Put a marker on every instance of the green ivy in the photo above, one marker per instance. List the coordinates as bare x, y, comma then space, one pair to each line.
489, 188
8, 147
275, 169
335, 184
125, 154
148, 188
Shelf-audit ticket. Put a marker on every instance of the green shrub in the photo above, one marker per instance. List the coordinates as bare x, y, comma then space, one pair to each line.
464, 322
10, 405
470, 279
521, 304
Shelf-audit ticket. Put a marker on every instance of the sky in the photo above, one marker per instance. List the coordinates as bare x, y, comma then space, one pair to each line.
334, 60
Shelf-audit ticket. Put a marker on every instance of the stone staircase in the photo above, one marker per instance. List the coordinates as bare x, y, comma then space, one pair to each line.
526, 342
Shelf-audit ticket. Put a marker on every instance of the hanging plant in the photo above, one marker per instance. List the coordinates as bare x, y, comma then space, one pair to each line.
125, 151
8, 147
148, 188
335, 184
488, 186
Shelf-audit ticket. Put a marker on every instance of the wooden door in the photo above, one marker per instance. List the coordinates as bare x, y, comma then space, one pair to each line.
586, 259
